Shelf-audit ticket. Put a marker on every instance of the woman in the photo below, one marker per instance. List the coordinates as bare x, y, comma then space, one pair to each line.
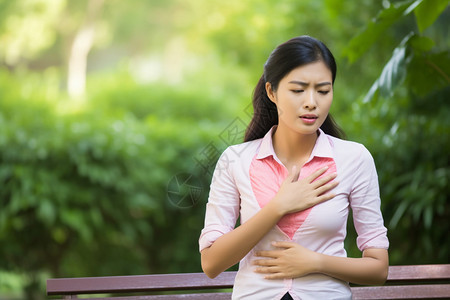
290, 243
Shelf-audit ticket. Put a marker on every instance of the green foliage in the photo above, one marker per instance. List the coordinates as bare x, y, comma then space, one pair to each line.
25, 28
428, 11
376, 28
408, 112
89, 187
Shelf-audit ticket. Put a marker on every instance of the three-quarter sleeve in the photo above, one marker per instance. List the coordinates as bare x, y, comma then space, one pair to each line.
222, 209
365, 203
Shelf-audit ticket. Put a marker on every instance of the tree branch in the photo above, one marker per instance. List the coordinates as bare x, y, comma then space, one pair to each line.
439, 70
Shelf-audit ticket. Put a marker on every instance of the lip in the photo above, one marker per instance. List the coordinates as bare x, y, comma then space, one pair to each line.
309, 118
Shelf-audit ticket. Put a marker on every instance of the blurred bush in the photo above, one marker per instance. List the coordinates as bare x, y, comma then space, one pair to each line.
86, 186
406, 113
116, 183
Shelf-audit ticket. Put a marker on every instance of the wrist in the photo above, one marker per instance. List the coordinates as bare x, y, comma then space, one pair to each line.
319, 265
275, 206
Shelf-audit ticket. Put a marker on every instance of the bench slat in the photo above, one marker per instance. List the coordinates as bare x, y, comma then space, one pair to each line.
420, 276
423, 291
138, 283
206, 296
421, 273
434, 291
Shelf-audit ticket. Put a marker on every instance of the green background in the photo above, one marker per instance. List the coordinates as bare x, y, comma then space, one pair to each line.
105, 170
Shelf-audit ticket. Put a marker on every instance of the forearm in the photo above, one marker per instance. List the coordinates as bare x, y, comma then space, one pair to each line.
371, 269
230, 248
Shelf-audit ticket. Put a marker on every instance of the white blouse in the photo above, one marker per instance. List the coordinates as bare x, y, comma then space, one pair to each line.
248, 175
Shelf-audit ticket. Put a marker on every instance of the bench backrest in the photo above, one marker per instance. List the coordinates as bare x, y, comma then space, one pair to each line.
404, 282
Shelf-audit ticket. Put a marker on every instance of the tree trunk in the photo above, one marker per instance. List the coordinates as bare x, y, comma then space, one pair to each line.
79, 50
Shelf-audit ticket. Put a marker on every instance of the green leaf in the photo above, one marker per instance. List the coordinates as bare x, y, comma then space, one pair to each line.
393, 73
46, 211
428, 11
428, 217
428, 72
372, 93
421, 43
412, 7
399, 212
75, 220
375, 29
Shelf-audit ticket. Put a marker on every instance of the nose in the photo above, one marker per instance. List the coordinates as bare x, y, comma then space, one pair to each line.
310, 102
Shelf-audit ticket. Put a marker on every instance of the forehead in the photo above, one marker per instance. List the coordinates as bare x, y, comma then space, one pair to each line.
312, 72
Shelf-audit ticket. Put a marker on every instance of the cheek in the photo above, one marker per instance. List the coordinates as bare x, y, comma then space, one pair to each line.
327, 103
285, 104
291, 102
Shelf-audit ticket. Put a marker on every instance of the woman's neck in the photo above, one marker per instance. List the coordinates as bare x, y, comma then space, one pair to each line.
293, 148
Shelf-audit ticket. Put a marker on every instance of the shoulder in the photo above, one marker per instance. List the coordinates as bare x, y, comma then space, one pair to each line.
242, 151
237, 158
349, 149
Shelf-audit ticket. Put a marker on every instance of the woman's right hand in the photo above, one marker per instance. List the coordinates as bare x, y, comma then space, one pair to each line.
296, 195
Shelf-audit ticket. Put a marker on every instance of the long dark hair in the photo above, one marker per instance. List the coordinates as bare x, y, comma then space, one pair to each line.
294, 53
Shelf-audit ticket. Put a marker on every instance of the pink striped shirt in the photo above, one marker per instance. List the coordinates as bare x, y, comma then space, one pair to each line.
248, 175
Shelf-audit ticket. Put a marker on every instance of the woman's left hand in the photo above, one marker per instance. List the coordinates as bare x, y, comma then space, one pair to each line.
291, 261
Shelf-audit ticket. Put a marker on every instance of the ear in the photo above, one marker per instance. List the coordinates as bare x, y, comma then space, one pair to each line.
270, 92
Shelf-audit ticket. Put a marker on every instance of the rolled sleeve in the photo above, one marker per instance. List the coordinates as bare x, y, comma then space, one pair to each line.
222, 209
365, 203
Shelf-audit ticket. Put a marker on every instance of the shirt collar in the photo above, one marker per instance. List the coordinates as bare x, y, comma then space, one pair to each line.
322, 148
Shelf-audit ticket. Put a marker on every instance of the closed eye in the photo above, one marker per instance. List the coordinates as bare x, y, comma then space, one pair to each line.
324, 92
298, 91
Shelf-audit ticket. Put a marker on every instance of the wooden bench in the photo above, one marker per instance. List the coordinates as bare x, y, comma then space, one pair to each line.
404, 282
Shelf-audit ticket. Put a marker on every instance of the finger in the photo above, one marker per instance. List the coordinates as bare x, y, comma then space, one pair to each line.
266, 270
322, 181
276, 276
316, 174
325, 197
272, 273
327, 187
283, 244
264, 262
271, 254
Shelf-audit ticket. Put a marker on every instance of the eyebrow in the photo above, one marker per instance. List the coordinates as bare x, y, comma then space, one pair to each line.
307, 84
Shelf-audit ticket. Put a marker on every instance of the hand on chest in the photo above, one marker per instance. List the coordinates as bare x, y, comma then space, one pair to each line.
266, 177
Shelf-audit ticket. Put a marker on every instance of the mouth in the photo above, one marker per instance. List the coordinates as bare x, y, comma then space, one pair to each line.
309, 117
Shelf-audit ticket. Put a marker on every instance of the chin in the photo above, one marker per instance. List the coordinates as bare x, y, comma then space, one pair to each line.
307, 131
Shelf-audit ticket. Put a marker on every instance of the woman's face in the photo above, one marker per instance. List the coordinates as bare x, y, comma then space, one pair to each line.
303, 98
